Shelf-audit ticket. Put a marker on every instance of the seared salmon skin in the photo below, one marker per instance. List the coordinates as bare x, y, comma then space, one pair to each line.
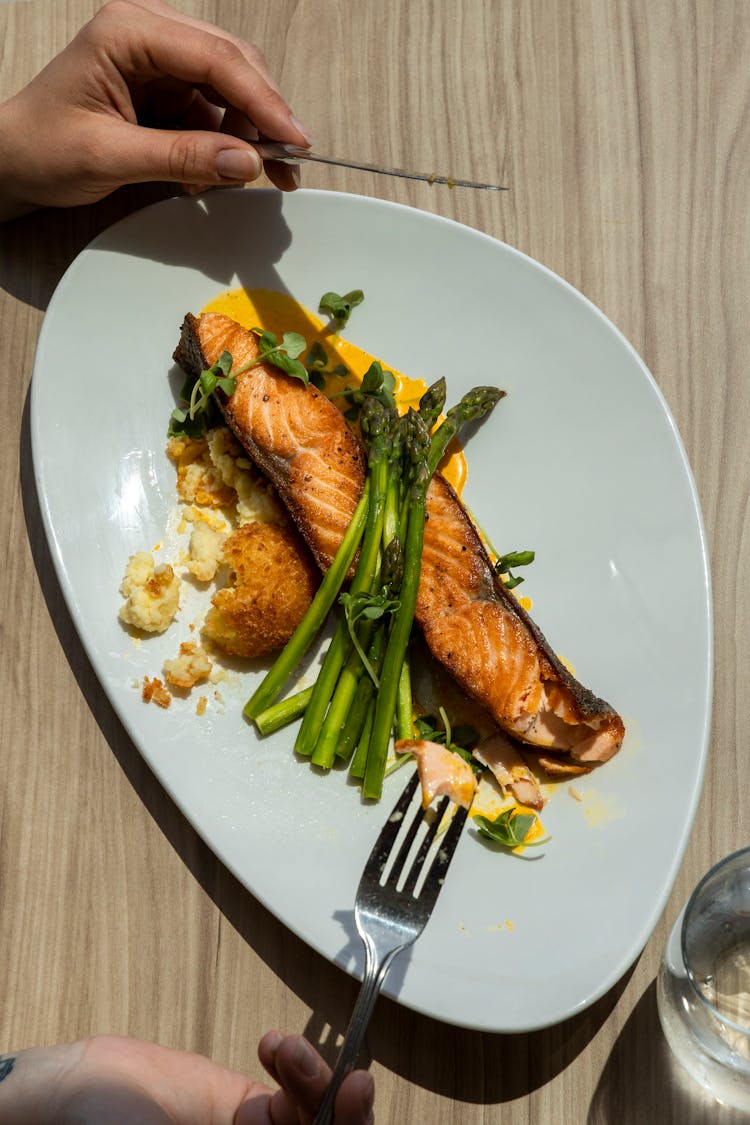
472, 624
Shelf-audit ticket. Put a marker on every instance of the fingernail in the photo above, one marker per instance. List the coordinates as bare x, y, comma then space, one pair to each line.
302, 129
273, 1040
295, 173
306, 1059
238, 164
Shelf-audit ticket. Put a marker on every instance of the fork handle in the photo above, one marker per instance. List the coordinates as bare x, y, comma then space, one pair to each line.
376, 966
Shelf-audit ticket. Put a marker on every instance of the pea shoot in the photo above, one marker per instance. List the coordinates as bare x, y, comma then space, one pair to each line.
511, 829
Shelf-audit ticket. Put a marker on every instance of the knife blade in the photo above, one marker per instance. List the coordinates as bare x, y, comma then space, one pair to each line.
293, 154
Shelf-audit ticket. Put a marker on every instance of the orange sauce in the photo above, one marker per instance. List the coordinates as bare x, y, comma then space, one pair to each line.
278, 312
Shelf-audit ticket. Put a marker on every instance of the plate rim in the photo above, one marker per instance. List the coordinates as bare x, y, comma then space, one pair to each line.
638, 943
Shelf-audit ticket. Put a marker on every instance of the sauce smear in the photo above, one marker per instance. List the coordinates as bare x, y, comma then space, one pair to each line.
278, 312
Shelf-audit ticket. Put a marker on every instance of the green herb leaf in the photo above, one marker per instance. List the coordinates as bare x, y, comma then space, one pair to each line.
282, 355
197, 393
340, 308
371, 607
462, 737
316, 359
513, 558
377, 383
510, 829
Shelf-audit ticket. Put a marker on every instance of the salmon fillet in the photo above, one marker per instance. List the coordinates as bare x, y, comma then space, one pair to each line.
471, 622
291, 431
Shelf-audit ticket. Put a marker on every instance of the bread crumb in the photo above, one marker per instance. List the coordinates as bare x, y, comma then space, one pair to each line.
154, 691
200, 707
575, 793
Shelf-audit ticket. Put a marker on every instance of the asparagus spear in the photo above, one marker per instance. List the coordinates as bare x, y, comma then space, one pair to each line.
473, 406
432, 402
331, 741
307, 630
416, 448
377, 423
286, 711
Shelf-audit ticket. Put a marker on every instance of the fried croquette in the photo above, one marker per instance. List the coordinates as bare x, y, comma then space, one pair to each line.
272, 582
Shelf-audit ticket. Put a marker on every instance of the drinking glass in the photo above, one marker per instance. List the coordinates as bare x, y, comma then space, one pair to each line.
703, 987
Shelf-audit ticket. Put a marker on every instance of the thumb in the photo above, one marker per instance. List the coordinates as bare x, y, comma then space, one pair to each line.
140, 155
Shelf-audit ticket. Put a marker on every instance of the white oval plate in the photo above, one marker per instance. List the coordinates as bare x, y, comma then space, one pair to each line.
581, 462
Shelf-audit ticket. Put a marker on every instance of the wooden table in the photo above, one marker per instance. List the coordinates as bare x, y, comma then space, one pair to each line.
623, 127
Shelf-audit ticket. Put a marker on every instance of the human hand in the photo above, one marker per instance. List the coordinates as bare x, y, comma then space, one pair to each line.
139, 95
119, 1080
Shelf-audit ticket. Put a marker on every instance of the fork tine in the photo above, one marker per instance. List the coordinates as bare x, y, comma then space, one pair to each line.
385, 841
398, 864
416, 867
439, 867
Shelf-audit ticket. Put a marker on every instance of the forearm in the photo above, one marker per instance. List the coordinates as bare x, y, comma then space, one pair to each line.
30, 1082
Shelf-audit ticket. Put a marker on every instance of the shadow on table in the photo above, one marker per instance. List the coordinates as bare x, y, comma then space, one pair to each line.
259, 236
642, 1082
57, 236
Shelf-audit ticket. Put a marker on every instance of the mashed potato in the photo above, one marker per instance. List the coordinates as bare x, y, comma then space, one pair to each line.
189, 668
198, 482
205, 549
256, 497
272, 582
152, 593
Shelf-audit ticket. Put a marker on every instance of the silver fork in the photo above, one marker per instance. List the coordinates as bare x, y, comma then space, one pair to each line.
391, 914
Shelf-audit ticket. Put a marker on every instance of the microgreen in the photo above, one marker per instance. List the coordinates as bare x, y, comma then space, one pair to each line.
281, 353
377, 383
199, 413
339, 308
316, 362
459, 738
510, 828
513, 558
368, 607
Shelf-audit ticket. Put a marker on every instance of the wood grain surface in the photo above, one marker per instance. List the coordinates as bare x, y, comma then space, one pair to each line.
623, 127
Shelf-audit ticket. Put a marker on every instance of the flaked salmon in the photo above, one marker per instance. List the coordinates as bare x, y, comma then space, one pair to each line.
441, 772
472, 624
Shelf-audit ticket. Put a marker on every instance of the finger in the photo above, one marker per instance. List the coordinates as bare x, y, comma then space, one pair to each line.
137, 155
255, 1111
355, 1100
298, 1068
301, 1070
253, 54
286, 177
304, 1076
267, 1049
205, 58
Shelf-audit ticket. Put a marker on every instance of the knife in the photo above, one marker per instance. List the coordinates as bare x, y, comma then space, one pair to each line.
292, 154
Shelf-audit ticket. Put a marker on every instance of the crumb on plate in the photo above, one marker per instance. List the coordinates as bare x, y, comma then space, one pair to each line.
187, 669
154, 691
